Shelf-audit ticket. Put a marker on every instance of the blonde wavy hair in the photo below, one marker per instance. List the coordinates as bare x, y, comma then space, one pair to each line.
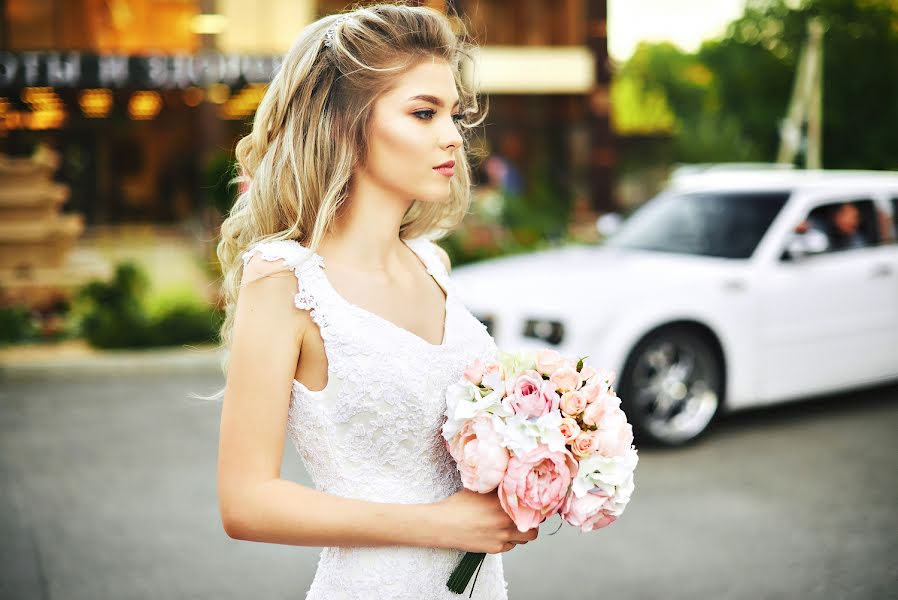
309, 133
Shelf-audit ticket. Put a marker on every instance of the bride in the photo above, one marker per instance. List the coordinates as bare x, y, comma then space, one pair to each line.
343, 326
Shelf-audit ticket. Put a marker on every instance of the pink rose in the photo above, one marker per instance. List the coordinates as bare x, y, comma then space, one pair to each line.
584, 444
535, 485
492, 367
475, 371
597, 409
533, 396
572, 403
565, 379
549, 361
587, 512
480, 457
591, 391
569, 429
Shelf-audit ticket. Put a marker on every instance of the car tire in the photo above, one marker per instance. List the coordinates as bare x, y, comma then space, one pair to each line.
672, 385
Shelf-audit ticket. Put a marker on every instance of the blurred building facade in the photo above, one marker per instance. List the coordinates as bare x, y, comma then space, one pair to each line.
144, 99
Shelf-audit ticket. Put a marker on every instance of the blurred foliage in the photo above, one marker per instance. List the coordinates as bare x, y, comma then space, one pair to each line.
115, 314
728, 99
535, 219
18, 324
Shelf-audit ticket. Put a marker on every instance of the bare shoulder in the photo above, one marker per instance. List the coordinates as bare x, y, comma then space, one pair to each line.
444, 256
268, 289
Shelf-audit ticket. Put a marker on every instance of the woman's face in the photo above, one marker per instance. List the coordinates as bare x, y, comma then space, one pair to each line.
413, 134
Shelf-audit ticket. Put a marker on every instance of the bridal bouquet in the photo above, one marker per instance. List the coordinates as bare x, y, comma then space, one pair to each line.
548, 434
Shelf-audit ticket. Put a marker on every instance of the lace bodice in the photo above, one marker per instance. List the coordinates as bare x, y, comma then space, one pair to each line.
373, 432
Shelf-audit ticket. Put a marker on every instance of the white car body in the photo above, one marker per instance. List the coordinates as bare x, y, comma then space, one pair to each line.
785, 329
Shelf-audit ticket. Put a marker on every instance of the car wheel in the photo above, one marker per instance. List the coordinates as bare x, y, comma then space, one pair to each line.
672, 385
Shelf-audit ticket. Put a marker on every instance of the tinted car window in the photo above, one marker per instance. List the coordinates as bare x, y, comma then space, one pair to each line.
720, 224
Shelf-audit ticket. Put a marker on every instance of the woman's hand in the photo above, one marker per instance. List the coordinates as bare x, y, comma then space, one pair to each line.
476, 522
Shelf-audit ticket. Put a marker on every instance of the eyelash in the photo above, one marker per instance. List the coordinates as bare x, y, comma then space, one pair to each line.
430, 113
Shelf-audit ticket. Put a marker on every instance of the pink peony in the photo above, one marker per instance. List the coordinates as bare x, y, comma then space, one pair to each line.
613, 435
480, 457
587, 512
569, 429
549, 361
566, 379
572, 403
535, 485
584, 444
532, 396
615, 439
474, 372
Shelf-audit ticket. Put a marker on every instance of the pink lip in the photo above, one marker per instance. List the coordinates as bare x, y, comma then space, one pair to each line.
446, 168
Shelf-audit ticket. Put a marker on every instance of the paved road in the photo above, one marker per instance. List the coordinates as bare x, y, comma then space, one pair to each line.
107, 490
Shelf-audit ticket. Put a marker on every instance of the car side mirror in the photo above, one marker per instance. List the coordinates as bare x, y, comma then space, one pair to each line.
806, 244
608, 224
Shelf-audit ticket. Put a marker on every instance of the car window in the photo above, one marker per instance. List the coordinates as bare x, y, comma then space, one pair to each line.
719, 224
848, 224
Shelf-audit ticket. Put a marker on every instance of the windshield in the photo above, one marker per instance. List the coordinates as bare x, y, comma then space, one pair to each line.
720, 224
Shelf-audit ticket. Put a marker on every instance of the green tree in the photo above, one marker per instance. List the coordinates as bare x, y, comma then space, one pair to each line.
754, 67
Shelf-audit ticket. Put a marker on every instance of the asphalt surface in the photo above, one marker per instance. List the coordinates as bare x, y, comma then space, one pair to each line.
107, 490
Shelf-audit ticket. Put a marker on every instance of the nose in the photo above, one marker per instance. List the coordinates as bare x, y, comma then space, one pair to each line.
450, 135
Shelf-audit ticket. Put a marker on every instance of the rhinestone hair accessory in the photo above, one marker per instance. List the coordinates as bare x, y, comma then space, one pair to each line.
329, 34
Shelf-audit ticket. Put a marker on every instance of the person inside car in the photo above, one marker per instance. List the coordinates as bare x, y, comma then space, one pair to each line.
842, 225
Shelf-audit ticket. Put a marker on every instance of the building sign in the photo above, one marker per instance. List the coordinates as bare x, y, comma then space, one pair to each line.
79, 70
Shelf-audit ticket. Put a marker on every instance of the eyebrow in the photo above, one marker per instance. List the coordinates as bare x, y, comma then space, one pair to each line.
432, 100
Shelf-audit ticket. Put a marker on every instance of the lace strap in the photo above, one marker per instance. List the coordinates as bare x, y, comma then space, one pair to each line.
304, 263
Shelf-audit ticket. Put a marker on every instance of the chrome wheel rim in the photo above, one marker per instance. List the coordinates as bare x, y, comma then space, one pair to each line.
674, 384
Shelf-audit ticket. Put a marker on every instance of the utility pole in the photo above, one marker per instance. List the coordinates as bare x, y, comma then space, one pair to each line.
806, 104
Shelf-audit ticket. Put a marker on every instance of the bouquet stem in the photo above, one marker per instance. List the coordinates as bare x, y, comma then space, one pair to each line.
470, 562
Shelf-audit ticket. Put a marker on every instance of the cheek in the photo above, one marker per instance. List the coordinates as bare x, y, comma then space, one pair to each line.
396, 143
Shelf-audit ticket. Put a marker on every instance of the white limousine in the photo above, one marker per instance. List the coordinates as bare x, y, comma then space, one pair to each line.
728, 290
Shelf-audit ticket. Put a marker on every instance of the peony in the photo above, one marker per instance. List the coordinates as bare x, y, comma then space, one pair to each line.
477, 450
587, 512
566, 379
549, 361
569, 429
614, 441
572, 403
535, 485
532, 396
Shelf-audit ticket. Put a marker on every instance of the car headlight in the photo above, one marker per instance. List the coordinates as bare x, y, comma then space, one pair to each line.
542, 329
488, 320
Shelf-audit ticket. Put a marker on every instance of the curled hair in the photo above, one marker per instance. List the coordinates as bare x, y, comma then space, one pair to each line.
309, 132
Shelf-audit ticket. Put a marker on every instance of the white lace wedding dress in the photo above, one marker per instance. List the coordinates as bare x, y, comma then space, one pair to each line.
373, 432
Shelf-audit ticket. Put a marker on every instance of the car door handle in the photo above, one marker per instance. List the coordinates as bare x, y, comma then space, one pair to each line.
881, 271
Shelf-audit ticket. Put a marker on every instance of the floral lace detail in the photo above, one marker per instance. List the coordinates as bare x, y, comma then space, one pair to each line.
373, 432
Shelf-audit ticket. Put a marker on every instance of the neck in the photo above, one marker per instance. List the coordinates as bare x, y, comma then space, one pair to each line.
366, 232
